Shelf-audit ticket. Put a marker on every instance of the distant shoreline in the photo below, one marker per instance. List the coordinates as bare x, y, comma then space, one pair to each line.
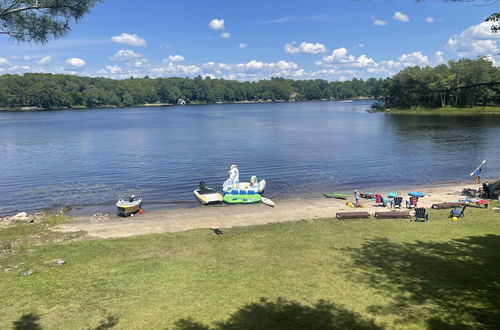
448, 111
76, 107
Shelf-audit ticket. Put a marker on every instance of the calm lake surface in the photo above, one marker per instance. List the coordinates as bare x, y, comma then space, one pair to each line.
89, 158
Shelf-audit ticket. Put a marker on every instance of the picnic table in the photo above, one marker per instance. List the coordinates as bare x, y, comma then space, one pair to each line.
392, 215
352, 215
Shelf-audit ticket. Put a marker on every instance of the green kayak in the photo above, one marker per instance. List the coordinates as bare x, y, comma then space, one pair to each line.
241, 199
336, 195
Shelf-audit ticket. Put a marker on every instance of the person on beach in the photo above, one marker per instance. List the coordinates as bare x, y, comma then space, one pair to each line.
234, 176
357, 197
478, 175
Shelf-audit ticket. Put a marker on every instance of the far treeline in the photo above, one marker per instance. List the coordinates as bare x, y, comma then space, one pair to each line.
462, 83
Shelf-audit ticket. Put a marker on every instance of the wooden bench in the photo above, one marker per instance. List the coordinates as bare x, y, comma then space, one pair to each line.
392, 215
352, 215
447, 205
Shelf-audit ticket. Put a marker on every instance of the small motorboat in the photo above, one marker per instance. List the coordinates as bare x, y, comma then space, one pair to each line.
207, 195
252, 186
128, 207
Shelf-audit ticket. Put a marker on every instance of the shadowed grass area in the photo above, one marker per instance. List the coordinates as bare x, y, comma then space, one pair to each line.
318, 274
451, 111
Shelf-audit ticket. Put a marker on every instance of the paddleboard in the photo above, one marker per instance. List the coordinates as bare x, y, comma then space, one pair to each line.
482, 163
336, 195
267, 201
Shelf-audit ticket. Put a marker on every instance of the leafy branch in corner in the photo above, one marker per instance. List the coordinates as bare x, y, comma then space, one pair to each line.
39, 20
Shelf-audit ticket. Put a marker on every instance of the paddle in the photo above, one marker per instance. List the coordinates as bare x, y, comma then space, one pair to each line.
472, 173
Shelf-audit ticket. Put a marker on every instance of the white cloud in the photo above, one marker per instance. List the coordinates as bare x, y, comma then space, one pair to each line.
379, 22
129, 39
76, 62
305, 48
225, 35
438, 57
399, 16
125, 55
174, 58
429, 19
476, 40
413, 59
45, 60
4, 61
139, 63
340, 56
172, 69
242, 46
361, 45
25, 58
110, 70
217, 24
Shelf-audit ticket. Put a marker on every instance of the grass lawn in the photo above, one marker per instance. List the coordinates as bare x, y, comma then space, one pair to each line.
318, 274
451, 111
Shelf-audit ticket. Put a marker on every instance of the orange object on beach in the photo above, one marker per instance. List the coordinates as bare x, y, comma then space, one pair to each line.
141, 211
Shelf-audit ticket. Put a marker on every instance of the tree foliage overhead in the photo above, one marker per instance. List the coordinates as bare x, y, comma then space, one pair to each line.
39, 20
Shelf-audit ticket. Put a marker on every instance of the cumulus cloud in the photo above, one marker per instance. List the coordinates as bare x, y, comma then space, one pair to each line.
75, 62
305, 48
242, 46
413, 59
341, 56
110, 70
225, 35
4, 61
399, 16
124, 55
129, 39
429, 19
216, 24
174, 58
476, 40
379, 22
45, 60
438, 57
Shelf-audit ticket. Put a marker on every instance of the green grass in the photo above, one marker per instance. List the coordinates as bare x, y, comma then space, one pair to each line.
451, 111
318, 274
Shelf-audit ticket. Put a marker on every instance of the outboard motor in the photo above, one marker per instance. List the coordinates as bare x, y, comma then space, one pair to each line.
131, 198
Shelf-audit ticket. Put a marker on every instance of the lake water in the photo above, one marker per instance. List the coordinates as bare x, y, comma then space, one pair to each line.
89, 158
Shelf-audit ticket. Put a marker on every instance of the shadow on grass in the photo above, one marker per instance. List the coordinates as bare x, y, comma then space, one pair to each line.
109, 322
27, 322
455, 284
31, 322
283, 314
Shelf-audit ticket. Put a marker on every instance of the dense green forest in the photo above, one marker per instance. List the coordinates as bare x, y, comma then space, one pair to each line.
438, 86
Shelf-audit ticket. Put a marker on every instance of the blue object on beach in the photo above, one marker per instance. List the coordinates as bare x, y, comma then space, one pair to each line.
392, 195
416, 194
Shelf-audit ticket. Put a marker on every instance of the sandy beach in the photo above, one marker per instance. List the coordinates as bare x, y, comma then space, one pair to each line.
226, 216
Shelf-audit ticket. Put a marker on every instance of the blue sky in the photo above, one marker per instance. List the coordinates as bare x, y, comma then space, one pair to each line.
251, 40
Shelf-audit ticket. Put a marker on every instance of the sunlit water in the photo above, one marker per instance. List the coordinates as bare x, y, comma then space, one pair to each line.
91, 157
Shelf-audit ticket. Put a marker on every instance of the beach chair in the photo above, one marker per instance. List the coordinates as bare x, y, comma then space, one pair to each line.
421, 215
456, 212
412, 203
380, 200
397, 202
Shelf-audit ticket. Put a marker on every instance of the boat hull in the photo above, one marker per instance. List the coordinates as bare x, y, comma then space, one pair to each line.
208, 199
125, 209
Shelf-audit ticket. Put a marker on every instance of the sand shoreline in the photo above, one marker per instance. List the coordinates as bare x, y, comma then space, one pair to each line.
226, 216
